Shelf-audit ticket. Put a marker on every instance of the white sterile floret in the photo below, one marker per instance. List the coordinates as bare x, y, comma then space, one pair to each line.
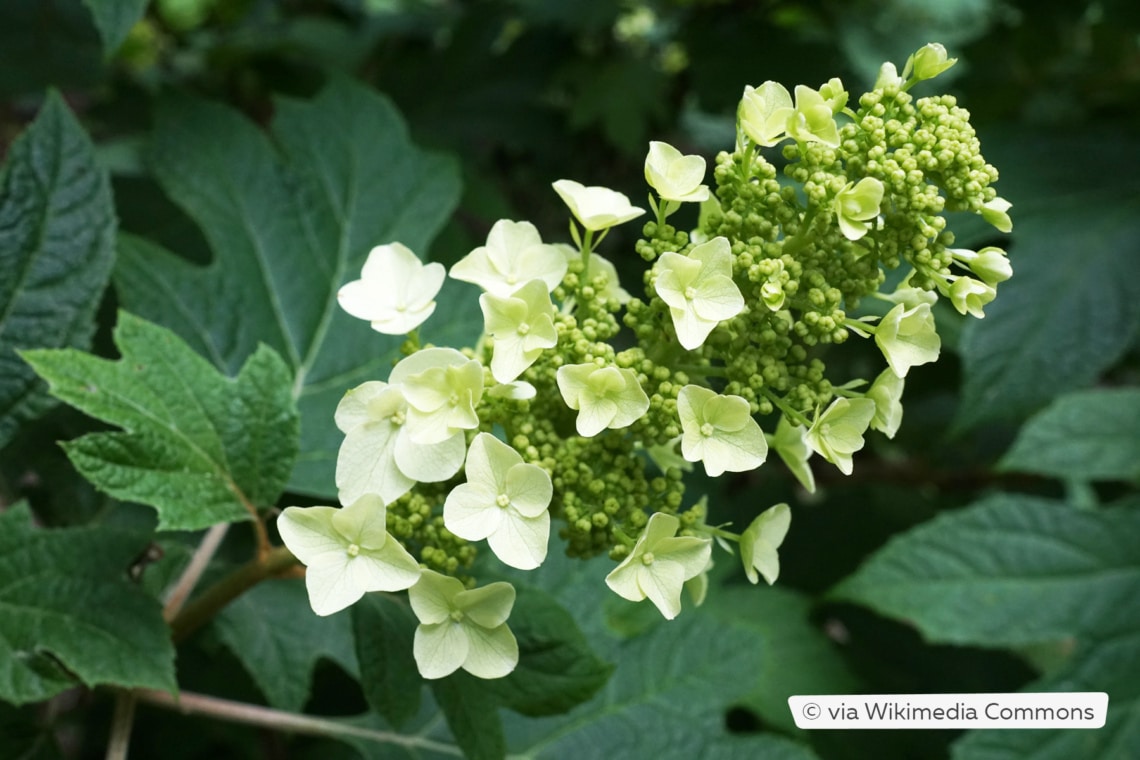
659, 564
812, 120
605, 397
442, 387
505, 501
907, 337
675, 177
719, 431
764, 112
699, 290
597, 208
513, 256
372, 418
996, 212
970, 296
990, 263
348, 552
856, 205
461, 628
790, 442
887, 392
759, 542
395, 291
522, 325
838, 432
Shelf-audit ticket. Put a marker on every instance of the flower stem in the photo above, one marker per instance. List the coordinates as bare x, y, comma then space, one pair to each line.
189, 703
780, 404
203, 608
121, 724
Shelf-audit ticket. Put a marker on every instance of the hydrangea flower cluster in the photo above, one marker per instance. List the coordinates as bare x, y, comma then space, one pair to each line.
545, 422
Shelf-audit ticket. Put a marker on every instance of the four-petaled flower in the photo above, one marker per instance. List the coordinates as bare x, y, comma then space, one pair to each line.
996, 212
605, 397
699, 290
970, 295
505, 501
856, 205
513, 256
395, 291
929, 61
522, 326
674, 176
789, 441
813, 120
990, 263
462, 628
761, 539
764, 112
719, 431
659, 564
348, 552
597, 208
442, 387
907, 337
887, 392
838, 432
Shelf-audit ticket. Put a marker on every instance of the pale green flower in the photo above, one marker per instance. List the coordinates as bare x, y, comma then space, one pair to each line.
910, 296
990, 264
674, 176
719, 431
348, 552
462, 628
838, 432
378, 455
789, 441
908, 338
605, 397
888, 76
856, 205
834, 94
522, 326
929, 61
970, 295
395, 291
764, 112
761, 539
665, 455
442, 387
513, 256
698, 585
812, 120
597, 208
505, 501
996, 212
699, 290
519, 390
887, 392
659, 564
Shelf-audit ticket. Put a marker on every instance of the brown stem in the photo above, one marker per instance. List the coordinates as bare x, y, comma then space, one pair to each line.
204, 607
181, 590
189, 703
121, 724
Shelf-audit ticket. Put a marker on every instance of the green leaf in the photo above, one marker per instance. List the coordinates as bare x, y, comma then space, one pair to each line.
289, 221
384, 630
114, 19
67, 612
1017, 570
557, 669
472, 717
795, 657
1090, 435
274, 633
666, 700
195, 445
1008, 571
57, 229
1073, 306
1104, 665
